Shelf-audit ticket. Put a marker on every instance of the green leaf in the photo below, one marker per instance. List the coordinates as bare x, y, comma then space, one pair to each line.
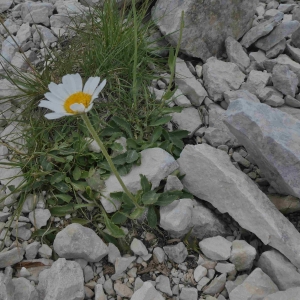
80, 221
178, 143
95, 182
123, 170
165, 199
118, 218
109, 131
65, 197
114, 230
120, 159
132, 156
149, 197
61, 211
76, 173
137, 213
62, 187
123, 124
116, 147
160, 121
57, 158
131, 143
167, 110
43, 232
169, 94
152, 217
178, 134
145, 183
79, 185
127, 200
171, 58
156, 134
117, 196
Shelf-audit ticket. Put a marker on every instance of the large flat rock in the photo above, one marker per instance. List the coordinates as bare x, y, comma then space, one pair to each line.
206, 23
272, 138
210, 175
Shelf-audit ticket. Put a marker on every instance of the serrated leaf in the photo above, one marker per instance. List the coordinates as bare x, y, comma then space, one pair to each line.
65, 197
160, 121
113, 229
76, 173
156, 134
145, 183
137, 213
118, 218
62, 187
132, 156
152, 217
150, 197
127, 200
123, 124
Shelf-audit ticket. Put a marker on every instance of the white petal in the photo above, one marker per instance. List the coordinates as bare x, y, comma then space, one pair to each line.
53, 116
91, 85
99, 89
89, 107
58, 90
77, 81
51, 97
70, 84
78, 107
53, 106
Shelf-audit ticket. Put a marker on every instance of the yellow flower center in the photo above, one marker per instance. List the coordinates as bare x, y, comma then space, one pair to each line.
80, 98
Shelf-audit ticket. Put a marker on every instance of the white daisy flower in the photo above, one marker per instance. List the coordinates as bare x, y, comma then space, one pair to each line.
68, 98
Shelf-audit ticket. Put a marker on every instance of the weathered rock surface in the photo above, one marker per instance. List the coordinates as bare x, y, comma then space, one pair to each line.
64, 280
207, 24
271, 137
290, 294
238, 196
24, 290
280, 270
147, 292
76, 241
242, 255
176, 253
220, 77
156, 164
11, 257
216, 248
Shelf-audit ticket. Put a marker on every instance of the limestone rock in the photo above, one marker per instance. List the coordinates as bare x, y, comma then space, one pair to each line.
64, 280
216, 248
147, 292
207, 24
220, 77
242, 255
176, 253
237, 195
76, 241
244, 94
11, 257
24, 290
290, 294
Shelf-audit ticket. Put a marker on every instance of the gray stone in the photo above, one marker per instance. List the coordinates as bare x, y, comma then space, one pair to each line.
108, 287
30, 7
244, 94
256, 81
113, 253
138, 248
173, 184
258, 57
199, 273
188, 293
38, 16
76, 241
225, 268
280, 270
238, 195
261, 30
39, 217
236, 54
188, 119
277, 49
64, 280
220, 77
11, 257
188, 84
159, 254
180, 99
231, 285
269, 95
5, 5
285, 80
121, 265
296, 34
207, 24
88, 273
99, 293
147, 292
270, 13
290, 294
32, 250
156, 164
9, 48
9, 26
286, 8
242, 255
216, 286
24, 290
7, 288
293, 52
240, 159
176, 253
281, 31
45, 251
59, 20
216, 248
290, 101
22, 232
256, 286
163, 285
294, 112
46, 35
272, 135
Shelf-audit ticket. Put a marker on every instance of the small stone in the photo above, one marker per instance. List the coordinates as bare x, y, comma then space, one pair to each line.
88, 273
45, 251
32, 250
188, 294
147, 291
24, 290
39, 217
176, 253
99, 293
199, 273
123, 290
138, 248
159, 254
216, 286
163, 285
24, 272
113, 253
216, 248
202, 283
108, 287
224, 267
11, 257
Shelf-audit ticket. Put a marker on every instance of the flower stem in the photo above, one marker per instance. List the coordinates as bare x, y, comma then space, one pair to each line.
111, 164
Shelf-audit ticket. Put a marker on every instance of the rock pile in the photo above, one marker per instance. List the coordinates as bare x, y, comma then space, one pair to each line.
241, 107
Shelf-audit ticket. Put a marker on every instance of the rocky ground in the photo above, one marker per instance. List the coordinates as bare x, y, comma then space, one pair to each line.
238, 79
